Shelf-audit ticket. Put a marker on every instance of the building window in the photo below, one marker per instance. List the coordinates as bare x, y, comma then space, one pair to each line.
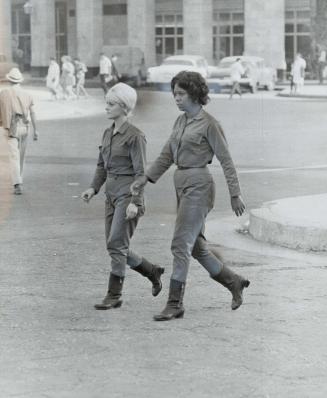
61, 29
297, 34
228, 34
21, 37
115, 9
168, 35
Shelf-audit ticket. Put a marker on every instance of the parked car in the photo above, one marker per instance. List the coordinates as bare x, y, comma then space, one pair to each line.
174, 64
5, 66
256, 75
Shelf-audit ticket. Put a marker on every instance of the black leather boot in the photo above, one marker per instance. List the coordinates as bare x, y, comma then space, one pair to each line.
112, 299
234, 283
153, 273
174, 307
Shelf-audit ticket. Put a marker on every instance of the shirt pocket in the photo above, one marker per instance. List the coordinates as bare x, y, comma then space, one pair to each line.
120, 150
193, 139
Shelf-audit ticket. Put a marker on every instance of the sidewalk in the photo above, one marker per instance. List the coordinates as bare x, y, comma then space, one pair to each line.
310, 90
298, 223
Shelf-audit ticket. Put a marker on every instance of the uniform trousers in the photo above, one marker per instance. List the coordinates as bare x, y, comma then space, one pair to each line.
195, 190
17, 150
118, 230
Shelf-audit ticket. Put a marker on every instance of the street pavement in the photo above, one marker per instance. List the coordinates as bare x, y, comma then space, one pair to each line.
54, 267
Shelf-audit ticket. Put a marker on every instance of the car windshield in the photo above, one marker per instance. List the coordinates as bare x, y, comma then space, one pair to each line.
177, 62
228, 64
225, 64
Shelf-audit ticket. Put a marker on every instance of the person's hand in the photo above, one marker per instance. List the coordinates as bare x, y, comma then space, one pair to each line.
131, 211
88, 195
138, 185
35, 135
238, 205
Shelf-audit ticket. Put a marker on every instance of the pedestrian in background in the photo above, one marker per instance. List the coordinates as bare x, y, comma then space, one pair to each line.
122, 158
67, 78
236, 72
16, 112
196, 137
53, 77
105, 67
298, 73
116, 76
80, 70
321, 65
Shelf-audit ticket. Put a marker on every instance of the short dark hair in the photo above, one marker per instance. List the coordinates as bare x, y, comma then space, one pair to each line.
194, 84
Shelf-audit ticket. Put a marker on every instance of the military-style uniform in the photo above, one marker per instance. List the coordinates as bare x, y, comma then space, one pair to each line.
122, 158
191, 146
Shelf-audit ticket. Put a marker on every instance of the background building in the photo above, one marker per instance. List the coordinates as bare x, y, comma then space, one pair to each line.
276, 30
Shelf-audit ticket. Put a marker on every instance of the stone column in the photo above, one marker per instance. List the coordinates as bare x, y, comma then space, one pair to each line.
43, 37
141, 28
89, 31
5, 28
197, 17
265, 31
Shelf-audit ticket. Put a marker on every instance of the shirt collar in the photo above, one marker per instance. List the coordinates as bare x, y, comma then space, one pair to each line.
122, 128
198, 116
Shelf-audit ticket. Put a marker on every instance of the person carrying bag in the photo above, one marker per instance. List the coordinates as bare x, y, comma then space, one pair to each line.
15, 107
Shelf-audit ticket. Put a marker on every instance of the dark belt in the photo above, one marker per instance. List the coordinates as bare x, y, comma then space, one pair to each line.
187, 168
113, 175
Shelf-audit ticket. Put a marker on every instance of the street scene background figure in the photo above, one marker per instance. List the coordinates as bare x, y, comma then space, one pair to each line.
105, 70
80, 71
298, 73
16, 110
53, 77
67, 79
321, 65
236, 73
116, 76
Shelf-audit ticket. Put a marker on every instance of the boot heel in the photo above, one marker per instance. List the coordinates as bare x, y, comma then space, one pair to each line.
180, 315
118, 304
246, 283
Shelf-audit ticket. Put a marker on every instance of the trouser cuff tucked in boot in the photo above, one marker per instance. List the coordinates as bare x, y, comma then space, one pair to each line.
112, 299
234, 283
153, 273
174, 307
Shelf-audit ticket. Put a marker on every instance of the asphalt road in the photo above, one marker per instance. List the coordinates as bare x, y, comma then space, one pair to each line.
54, 267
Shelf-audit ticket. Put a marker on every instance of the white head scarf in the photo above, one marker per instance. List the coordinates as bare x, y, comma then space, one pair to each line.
125, 95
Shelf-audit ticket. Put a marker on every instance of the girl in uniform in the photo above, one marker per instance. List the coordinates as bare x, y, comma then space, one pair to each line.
121, 160
195, 139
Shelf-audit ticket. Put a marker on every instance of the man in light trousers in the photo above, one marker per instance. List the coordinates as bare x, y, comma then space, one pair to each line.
16, 101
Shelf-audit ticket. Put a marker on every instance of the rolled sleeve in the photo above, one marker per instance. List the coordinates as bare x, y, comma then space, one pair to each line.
218, 143
161, 164
138, 156
100, 174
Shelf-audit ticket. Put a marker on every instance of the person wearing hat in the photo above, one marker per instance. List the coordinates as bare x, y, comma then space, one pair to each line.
121, 160
16, 106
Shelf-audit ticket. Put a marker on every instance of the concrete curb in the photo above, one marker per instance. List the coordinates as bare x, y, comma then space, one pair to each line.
309, 96
297, 223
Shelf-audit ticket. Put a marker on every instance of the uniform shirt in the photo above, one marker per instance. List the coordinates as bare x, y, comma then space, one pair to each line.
105, 66
9, 104
193, 143
122, 153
